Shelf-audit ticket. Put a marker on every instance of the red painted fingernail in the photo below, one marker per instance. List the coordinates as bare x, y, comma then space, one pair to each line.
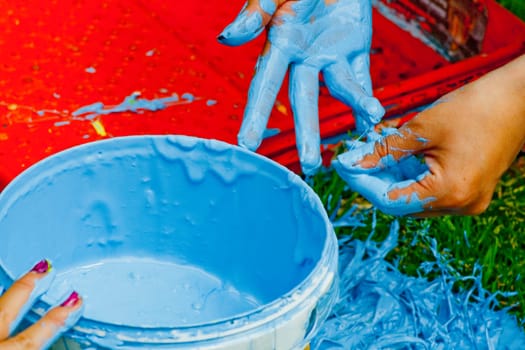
72, 300
42, 266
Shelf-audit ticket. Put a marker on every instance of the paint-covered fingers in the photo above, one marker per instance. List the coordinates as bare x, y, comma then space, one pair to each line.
250, 22
342, 86
304, 95
17, 300
44, 333
269, 74
398, 182
386, 152
452, 194
389, 173
390, 190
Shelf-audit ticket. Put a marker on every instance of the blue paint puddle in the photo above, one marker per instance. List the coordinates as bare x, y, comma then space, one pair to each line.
185, 293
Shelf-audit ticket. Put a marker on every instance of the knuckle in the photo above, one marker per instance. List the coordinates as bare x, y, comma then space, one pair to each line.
25, 284
391, 145
56, 316
5, 319
459, 198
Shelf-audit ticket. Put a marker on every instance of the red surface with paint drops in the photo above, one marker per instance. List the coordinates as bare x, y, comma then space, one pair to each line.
59, 55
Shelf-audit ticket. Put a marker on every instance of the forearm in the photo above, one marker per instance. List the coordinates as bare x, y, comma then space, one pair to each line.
498, 100
488, 114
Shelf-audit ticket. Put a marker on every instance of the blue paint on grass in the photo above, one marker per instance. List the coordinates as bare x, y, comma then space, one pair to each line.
381, 308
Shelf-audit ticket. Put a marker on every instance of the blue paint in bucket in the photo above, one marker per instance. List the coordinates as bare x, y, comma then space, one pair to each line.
174, 242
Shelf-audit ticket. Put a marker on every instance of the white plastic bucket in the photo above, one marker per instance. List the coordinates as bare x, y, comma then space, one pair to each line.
174, 242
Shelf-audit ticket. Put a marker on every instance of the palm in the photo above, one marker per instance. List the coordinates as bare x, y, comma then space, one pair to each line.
308, 36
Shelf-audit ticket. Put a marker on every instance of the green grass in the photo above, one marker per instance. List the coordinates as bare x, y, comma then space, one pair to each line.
515, 6
495, 239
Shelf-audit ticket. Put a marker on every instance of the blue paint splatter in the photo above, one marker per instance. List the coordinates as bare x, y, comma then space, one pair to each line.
94, 107
132, 103
352, 218
380, 308
188, 97
91, 70
211, 103
62, 123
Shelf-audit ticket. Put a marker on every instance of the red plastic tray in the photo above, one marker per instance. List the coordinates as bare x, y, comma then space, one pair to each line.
60, 55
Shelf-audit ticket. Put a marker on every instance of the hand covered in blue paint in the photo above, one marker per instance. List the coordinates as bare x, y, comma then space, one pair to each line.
18, 299
307, 36
466, 141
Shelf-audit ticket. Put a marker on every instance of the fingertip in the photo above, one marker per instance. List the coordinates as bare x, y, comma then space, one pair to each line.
56, 321
374, 109
247, 26
311, 165
353, 160
42, 266
67, 313
250, 141
75, 310
346, 162
40, 278
72, 300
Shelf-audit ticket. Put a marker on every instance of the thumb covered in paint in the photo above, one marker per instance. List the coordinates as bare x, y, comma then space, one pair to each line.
388, 172
249, 23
